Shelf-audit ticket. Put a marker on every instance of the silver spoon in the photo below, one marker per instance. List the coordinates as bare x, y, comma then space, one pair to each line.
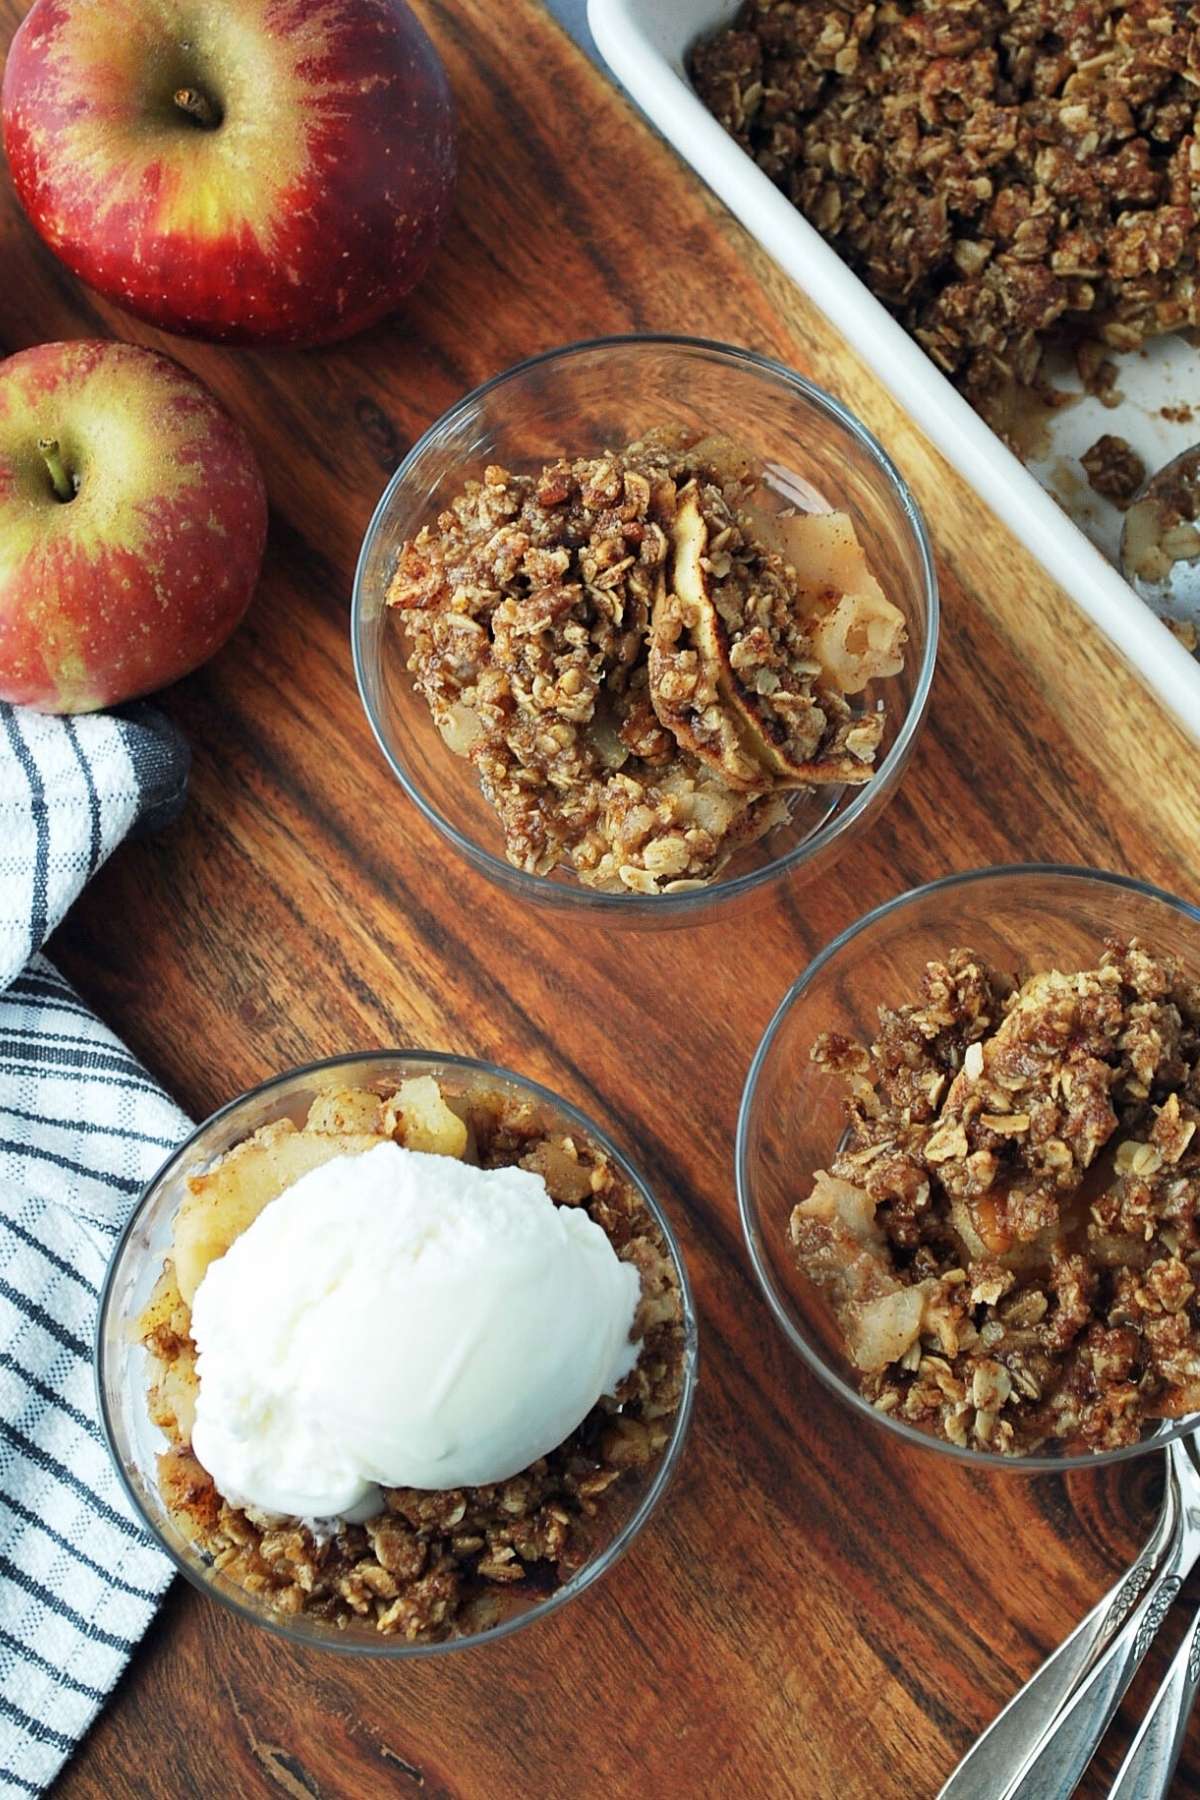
1160, 540
1065, 1752
1150, 1762
995, 1765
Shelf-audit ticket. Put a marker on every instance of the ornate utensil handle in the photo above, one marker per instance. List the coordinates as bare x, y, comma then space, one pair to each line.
1068, 1747
995, 1761
1150, 1761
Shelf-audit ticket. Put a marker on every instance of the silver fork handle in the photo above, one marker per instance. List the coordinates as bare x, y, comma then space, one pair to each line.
995, 1761
1150, 1761
1059, 1761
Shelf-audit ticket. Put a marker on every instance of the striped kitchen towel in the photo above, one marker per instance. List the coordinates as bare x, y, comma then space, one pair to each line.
82, 1128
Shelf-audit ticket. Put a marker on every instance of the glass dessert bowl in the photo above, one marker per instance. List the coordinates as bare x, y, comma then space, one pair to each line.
644, 625
973, 1213
302, 1424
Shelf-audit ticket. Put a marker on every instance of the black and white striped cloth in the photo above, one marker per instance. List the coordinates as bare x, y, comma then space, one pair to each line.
82, 1128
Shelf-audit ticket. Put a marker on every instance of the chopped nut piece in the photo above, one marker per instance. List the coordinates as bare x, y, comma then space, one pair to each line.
948, 1143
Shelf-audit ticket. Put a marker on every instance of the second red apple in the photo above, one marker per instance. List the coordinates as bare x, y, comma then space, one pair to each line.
132, 524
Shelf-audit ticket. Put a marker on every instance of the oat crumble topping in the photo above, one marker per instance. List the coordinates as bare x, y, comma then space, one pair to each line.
432, 1565
1114, 469
1001, 173
1009, 1232
639, 662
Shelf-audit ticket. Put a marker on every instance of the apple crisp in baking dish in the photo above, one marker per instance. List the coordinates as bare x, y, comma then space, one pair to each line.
1003, 174
1009, 1232
640, 662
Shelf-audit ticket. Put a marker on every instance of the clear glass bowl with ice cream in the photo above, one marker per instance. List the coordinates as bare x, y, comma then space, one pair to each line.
396, 1354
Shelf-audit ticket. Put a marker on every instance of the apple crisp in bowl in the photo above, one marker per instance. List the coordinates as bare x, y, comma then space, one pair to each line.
257, 1370
652, 617
967, 1169
1006, 177
637, 666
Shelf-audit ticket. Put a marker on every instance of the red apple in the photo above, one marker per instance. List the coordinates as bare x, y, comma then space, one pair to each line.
257, 171
132, 523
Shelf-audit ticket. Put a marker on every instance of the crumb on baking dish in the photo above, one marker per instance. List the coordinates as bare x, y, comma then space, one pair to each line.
1114, 469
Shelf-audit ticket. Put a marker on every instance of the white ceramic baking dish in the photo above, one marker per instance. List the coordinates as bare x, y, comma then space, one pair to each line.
645, 43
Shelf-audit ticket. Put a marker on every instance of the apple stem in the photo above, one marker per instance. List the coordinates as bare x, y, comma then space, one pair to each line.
197, 105
61, 482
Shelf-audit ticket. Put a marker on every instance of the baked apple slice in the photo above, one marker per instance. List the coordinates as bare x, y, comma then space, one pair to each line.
734, 671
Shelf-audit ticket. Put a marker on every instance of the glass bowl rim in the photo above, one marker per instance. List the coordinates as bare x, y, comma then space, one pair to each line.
747, 1211
612, 1551
684, 905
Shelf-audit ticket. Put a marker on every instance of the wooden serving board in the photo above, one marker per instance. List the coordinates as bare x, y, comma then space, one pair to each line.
817, 1611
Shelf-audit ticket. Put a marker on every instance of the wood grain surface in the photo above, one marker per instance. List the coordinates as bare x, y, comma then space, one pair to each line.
817, 1611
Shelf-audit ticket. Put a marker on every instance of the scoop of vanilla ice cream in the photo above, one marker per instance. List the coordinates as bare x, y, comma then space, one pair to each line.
395, 1319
